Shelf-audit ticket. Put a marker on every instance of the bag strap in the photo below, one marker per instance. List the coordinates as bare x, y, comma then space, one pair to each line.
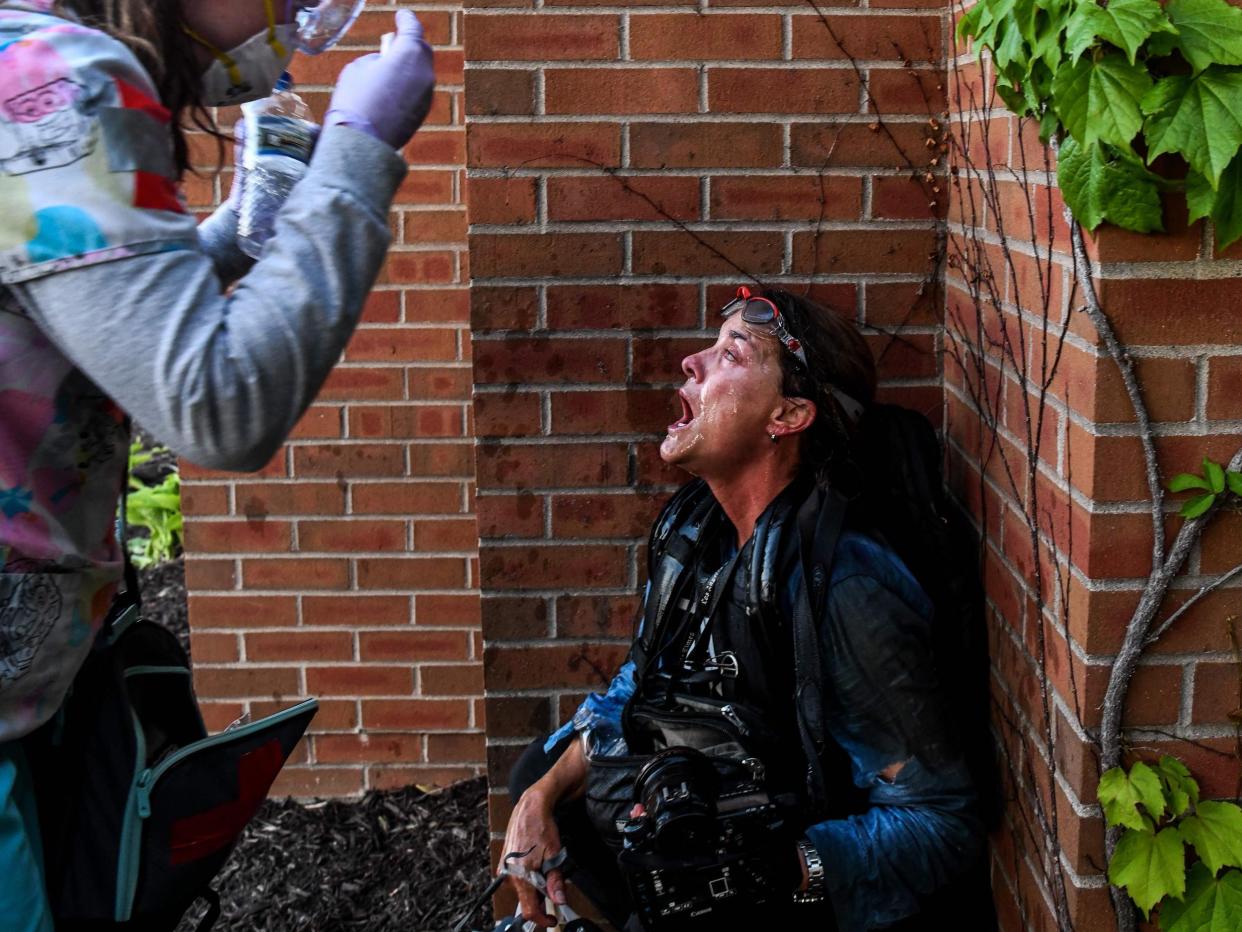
820, 522
129, 599
692, 503
213, 910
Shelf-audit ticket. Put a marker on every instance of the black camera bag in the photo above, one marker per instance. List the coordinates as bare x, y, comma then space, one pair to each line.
139, 808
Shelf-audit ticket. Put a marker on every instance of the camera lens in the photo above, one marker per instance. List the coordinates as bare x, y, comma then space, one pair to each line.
678, 789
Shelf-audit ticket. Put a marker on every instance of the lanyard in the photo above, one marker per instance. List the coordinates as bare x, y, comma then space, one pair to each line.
705, 608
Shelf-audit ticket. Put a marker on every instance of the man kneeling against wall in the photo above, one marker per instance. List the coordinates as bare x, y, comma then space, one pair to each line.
721, 781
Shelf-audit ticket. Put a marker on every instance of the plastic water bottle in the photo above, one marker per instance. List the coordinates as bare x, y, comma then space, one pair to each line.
279, 139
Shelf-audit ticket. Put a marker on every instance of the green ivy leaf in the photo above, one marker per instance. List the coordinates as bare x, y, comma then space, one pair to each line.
1200, 197
1197, 505
1098, 186
1119, 799
1026, 15
1215, 830
1150, 867
1209, 32
1124, 23
1037, 89
1160, 44
1227, 208
1234, 481
1048, 126
1199, 117
1149, 788
1010, 47
1180, 788
1210, 905
1185, 481
972, 20
993, 17
1120, 795
1047, 45
1215, 475
1013, 98
1098, 99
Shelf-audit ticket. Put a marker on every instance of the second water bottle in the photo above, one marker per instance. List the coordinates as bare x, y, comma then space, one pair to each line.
279, 138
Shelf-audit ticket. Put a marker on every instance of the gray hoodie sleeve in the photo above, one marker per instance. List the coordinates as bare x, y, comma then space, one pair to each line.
223, 378
217, 235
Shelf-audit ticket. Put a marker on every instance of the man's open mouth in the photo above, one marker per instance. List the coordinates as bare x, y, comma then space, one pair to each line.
687, 415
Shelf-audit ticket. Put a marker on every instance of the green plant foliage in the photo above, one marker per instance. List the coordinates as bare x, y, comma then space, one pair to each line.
1150, 866
1159, 809
1121, 794
1180, 789
1107, 185
1208, 32
1212, 484
157, 509
1215, 831
1226, 207
1211, 904
1197, 117
1120, 83
1098, 97
1123, 23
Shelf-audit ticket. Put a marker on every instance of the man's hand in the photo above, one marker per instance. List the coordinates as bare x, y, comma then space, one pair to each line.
533, 830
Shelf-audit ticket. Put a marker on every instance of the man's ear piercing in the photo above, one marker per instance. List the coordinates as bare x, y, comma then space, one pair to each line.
774, 437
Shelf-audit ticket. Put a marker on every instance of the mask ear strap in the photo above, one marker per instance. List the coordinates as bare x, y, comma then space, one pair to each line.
229, 62
273, 39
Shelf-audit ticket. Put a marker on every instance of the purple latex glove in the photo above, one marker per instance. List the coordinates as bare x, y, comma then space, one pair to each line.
388, 94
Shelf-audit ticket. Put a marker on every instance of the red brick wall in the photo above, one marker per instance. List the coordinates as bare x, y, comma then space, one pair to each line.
347, 568
628, 165
1167, 296
596, 136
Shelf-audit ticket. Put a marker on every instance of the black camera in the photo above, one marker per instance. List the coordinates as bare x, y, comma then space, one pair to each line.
708, 843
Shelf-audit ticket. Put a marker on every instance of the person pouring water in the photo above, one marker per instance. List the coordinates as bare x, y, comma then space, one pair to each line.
114, 304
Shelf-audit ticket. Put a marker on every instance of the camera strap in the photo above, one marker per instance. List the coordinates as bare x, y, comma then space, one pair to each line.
512, 866
704, 608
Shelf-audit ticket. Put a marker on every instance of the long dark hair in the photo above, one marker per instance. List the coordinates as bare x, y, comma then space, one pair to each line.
151, 29
838, 357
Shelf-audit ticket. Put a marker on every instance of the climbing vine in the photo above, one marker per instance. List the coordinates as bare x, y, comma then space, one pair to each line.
1138, 99
1118, 84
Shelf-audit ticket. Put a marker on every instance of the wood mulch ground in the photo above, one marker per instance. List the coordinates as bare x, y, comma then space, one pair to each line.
395, 861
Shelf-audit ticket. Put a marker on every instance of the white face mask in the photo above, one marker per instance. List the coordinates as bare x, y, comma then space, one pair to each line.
251, 70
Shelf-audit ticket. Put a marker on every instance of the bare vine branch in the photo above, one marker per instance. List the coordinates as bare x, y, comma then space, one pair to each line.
1215, 584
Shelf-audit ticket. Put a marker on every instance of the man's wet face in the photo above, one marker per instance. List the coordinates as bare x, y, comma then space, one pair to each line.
732, 389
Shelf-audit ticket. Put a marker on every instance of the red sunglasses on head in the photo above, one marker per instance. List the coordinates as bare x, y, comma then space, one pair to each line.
763, 313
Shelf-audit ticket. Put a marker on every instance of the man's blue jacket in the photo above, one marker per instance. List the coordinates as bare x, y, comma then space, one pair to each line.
883, 705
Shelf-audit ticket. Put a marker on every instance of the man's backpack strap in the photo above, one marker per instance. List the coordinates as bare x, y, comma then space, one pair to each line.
820, 522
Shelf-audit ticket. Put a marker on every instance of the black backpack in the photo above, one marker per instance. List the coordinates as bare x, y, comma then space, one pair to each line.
139, 808
904, 501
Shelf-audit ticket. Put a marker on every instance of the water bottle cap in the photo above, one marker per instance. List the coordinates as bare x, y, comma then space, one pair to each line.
284, 82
